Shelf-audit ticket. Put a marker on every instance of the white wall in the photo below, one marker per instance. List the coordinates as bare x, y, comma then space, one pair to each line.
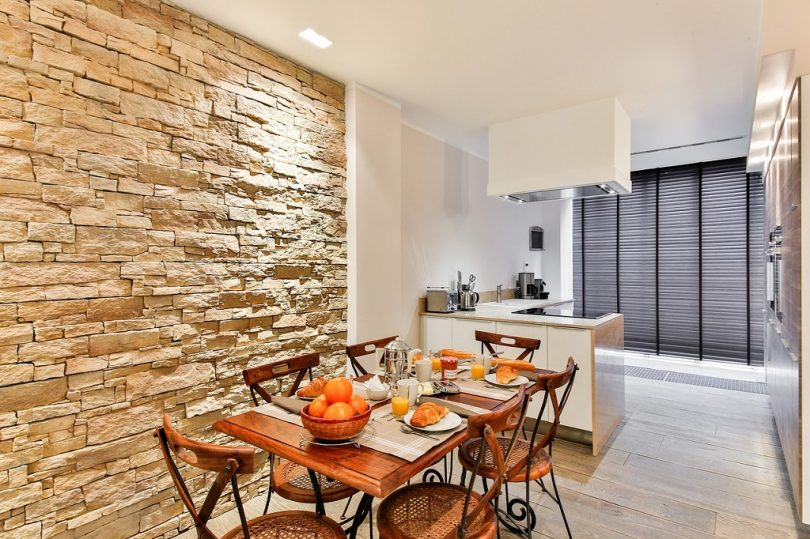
449, 224
373, 212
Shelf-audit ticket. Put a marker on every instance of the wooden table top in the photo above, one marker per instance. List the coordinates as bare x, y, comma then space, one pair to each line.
365, 469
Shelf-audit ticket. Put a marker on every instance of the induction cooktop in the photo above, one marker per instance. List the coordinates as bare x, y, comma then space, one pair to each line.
571, 312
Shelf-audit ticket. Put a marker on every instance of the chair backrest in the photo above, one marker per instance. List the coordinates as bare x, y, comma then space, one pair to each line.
278, 370
490, 340
549, 383
508, 417
356, 351
226, 461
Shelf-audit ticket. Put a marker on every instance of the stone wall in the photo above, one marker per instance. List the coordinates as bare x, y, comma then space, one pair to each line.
171, 210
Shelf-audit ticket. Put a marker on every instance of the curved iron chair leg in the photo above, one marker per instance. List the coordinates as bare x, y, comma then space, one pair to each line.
269, 494
348, 503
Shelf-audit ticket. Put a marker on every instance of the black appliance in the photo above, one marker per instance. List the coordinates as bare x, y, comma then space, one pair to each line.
562, 312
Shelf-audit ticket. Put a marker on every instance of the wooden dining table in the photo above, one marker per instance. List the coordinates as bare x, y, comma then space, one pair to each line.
375, 473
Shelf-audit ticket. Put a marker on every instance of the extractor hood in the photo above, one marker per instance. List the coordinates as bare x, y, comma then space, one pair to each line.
576, 152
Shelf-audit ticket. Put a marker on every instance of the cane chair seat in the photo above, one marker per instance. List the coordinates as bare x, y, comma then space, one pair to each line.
431, 510
541, 462
289, 525
292, 481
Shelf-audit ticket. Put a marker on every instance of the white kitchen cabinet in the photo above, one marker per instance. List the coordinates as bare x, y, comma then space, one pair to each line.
571, 342
437, 333
464, 333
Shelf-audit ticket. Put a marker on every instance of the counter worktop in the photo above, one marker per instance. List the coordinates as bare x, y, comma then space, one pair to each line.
503, 312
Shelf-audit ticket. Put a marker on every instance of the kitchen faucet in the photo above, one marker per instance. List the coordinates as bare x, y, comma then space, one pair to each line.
498, 293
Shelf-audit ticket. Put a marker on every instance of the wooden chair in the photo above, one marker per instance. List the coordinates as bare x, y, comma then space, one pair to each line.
490, 340
530, 459
290, 480
446, 510
228, 462
356, 351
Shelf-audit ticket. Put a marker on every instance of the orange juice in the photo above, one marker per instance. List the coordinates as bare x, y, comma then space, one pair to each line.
437, 363
399, 406
477, 371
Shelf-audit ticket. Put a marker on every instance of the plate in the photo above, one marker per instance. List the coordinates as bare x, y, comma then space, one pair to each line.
492, 379
449, 422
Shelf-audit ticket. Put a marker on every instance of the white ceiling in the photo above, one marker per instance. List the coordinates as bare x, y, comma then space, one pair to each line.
685, 70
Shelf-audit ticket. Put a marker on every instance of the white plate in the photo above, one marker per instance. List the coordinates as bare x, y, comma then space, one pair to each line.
448, 422
493, 379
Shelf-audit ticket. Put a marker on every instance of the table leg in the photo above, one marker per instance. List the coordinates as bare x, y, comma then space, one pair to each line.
316, 486
363, 508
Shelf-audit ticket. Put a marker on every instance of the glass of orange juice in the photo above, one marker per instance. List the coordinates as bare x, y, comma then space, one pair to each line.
399, 406
435, 361
477, 371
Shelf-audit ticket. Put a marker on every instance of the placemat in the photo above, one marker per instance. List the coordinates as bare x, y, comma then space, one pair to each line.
387, 435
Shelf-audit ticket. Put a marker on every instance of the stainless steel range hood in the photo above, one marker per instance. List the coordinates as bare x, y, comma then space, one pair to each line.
576, 152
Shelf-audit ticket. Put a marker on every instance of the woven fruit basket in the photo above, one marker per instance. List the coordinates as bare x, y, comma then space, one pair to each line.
334, 429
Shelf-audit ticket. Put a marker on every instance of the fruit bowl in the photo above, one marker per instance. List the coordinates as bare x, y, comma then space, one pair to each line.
334, 429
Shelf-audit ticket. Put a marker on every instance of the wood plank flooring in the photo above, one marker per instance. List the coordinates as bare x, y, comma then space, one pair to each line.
687, 461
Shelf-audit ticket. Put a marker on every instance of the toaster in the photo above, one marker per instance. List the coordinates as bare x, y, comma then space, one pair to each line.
441, 300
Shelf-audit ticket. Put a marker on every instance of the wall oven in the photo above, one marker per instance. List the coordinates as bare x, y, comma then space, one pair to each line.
774, 272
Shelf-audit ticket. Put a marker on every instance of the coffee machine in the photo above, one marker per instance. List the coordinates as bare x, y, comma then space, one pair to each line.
526, 288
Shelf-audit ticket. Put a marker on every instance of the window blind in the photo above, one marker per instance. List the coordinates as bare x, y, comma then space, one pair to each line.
682, 257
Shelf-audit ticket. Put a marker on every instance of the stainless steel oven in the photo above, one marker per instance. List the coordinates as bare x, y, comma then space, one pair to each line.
774, 272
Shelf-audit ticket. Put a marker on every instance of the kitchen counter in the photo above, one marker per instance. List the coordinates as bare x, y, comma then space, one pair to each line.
596, 404
503, 312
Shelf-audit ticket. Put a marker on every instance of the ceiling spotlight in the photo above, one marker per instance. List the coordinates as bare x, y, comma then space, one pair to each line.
322, 42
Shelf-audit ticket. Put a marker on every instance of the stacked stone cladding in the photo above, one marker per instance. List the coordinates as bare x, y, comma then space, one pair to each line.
172, 210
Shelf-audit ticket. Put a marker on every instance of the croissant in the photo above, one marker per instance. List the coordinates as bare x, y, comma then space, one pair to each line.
505, 374
516, 364
456, 353
428, 413
314, 389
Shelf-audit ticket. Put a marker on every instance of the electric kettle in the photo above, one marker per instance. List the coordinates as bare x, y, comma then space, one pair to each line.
468, 299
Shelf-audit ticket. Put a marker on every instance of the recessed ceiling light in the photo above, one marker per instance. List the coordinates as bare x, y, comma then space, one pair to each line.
322, 42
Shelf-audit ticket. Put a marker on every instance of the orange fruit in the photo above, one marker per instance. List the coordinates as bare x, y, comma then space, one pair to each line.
358, 403
318, 406
339, 410
338, 390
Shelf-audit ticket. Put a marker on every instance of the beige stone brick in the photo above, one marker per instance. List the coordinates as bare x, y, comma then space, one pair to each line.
16, 129
16, 165
76, 365
13, 83
32, 395
71, 291
23, 252
12, 231
158, 381
123, 423
18, 497
123, 201
60, 59
92, 216
98, 240
14, 41
45, 372
143, 71
77, 28
17, 334
114, 309
95, 90
16, 374
42, 114
119, 342
68, 196
68, 482
110, 24
46, 351
33, 274
21, 209
87, 122
78, 139
20, 188
168, 176
106, 164
51, 232
61, 177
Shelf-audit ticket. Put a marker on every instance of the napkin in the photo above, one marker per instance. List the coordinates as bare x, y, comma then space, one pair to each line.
464, 410
291, 405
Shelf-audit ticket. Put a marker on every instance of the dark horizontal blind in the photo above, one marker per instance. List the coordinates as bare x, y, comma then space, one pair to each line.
683, 260
637, 269
599, 269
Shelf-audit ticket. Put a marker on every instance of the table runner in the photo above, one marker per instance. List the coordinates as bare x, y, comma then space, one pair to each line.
385, 435
482, 388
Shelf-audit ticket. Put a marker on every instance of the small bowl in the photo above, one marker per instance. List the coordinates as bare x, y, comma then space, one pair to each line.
378, 394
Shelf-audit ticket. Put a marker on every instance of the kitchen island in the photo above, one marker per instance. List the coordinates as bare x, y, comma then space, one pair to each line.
596, 405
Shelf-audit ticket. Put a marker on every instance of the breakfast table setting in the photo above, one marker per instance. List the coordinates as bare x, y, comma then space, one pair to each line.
376, 431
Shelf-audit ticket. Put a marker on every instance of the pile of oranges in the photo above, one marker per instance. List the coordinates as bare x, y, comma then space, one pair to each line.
337, 401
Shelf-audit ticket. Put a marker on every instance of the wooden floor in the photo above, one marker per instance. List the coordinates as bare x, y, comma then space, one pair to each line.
687, 462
